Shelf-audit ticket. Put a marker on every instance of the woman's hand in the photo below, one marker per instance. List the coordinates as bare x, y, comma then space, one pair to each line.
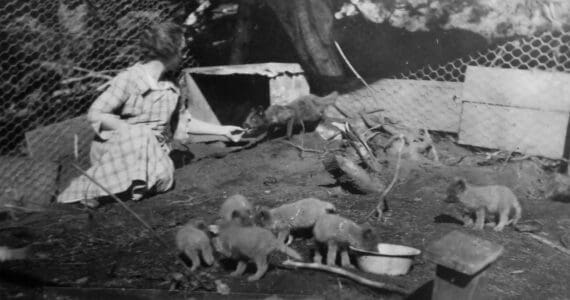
234, 133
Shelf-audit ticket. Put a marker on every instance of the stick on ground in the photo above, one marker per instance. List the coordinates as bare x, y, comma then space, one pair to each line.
345, 273
548, 242
381, 203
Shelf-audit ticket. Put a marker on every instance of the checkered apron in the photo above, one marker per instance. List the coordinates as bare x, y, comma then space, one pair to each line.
137, 153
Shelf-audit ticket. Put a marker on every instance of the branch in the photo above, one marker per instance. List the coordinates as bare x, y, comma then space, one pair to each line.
370, 89
547, 242
381, 202
302, 149
368, 157
345, 273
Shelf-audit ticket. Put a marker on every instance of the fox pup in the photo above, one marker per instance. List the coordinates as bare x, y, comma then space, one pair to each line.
191, 239
338, 233
492, 199
238, 203
302, 214
249, 243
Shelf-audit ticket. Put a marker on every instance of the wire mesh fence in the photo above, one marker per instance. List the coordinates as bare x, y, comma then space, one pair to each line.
54, 57
513, 97
56, 54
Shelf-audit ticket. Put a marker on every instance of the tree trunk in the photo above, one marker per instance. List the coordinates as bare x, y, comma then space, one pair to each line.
308, 24
242, 33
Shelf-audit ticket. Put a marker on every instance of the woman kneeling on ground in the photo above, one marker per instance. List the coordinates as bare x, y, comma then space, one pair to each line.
132, 121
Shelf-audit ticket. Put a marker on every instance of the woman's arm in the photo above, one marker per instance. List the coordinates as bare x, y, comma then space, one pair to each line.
102, 115
195, 126
234, 133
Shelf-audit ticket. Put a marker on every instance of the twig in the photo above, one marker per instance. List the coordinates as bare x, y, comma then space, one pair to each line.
302, 148
382, 200
370, 89
369, 158
89, 75
345, 273
549, 243
145, 224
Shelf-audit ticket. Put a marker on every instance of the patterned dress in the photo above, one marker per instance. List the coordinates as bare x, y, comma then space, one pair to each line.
139, 153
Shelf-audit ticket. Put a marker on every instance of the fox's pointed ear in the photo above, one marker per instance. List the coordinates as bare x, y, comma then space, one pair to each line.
201, 225
368, 233
263, 216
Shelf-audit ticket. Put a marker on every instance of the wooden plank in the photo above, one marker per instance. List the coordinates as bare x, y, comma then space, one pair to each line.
57, 142
525, 130
263, 69
462, 252
521, 88
415, 103
195, 100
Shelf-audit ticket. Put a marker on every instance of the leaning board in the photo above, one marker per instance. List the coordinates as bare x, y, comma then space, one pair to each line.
415, 103
521, 88
526, 130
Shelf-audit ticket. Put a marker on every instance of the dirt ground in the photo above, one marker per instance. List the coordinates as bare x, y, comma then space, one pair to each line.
108, 249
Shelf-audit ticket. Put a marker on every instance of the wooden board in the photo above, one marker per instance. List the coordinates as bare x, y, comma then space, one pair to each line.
462, 252
415, 103
195, 100
57, 142
521, 88
524, 130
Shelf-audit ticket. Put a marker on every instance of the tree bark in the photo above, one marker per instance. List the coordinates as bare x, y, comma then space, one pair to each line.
308, 24
242, 33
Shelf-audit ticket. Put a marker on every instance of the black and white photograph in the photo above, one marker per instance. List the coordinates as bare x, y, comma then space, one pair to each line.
285, 149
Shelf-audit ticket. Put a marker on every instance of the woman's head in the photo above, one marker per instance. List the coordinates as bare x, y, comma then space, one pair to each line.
164, 42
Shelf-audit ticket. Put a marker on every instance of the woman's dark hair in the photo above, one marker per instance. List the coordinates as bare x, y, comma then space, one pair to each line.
163, 42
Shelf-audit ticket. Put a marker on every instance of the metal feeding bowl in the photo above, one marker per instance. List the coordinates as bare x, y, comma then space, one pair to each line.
390, 259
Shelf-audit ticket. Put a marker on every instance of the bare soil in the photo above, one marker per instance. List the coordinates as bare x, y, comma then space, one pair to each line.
108, 248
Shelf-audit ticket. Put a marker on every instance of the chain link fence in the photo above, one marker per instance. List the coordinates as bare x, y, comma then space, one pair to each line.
513, 97
55, 55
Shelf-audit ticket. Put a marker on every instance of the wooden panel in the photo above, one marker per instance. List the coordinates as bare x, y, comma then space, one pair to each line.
195, 100
522, 88
415, 103
524, 130
462, 252
57, 142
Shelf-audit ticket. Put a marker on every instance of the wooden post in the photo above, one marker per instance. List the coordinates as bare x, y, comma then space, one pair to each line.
462, 261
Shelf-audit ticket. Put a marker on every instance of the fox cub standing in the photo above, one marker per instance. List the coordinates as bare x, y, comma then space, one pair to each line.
492, 199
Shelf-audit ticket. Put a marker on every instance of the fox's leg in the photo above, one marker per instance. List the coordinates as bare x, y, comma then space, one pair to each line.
239, 269
503, 220
480, 222
331, 254
261, 264
345, 260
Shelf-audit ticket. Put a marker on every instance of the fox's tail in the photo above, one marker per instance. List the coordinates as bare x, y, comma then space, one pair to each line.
12, 254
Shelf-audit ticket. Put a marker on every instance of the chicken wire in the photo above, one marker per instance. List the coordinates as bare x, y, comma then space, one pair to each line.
513, 97
55, 55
